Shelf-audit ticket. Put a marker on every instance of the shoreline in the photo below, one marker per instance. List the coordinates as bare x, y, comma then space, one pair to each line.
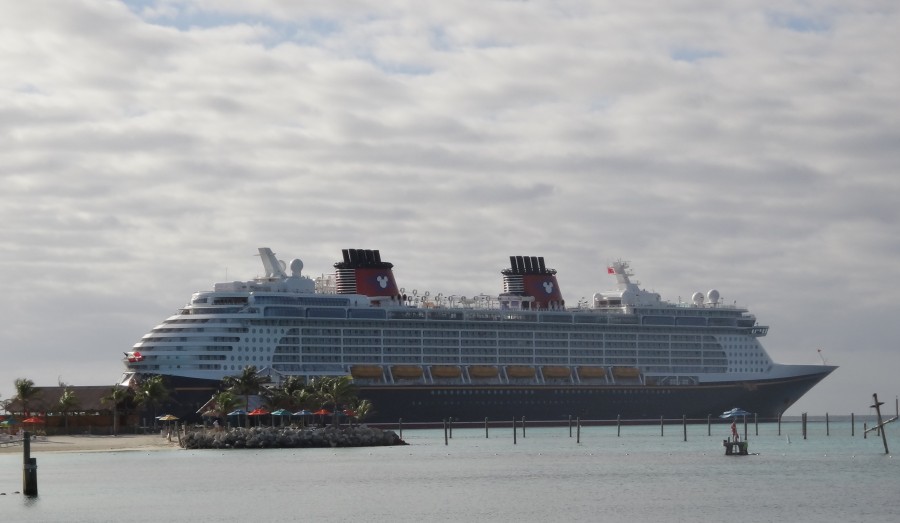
85, 443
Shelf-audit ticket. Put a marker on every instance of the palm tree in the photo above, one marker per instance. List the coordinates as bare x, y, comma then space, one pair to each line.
304, 398
225, 402
282, 396
362, 408
336, 390
67, 402
116, 396
152, 392
247, 383
25, 392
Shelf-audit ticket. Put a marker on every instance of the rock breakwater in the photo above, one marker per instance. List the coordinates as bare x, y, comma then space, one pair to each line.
277, 437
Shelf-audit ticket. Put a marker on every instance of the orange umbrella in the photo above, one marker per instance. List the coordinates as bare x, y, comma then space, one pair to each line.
258, 412
33, 419
322, 412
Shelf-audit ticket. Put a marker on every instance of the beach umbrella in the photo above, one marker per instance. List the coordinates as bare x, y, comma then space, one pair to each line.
258, 412
303, 414
323, 413
167, 417
735, 412
238, 413
33, 419
281, 413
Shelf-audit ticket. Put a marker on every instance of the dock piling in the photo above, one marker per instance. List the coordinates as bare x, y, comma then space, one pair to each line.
486, 428
29, 468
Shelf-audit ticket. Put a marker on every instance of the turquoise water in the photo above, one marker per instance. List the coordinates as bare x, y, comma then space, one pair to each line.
546, 476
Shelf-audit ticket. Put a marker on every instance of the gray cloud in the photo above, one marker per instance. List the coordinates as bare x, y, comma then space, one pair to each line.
150, 147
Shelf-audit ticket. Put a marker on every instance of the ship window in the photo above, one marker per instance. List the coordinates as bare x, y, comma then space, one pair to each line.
326, 313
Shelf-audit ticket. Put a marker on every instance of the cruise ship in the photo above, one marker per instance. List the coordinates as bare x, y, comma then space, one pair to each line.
626, 353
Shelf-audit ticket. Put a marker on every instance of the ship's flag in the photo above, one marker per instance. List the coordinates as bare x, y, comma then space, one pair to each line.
610, 270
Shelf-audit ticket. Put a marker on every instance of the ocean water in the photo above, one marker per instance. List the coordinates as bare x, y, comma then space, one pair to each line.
546, 476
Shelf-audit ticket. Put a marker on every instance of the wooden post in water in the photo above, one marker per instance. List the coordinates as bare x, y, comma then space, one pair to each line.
877, 404
523, 427
661, 426
570, 425
578, 429
450, 426
803, 423
684, 425
852, 425
618, 425
485, 428
779, 424
446, 441
29, 468
400, 427
708, 425
865, 430
756, 422
827, 427
514, 430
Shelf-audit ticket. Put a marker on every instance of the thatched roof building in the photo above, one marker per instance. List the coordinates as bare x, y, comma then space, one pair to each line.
46, 400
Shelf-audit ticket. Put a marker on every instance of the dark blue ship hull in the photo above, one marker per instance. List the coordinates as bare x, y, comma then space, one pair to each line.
432, 403
767, 399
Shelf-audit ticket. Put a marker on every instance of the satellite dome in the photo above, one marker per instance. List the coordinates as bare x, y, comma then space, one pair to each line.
713, 296
296, 266
697, 298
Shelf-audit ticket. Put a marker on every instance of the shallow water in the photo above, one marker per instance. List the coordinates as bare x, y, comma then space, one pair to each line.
546, 476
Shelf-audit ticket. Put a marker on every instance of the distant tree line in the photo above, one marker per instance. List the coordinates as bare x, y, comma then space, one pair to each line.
334, 393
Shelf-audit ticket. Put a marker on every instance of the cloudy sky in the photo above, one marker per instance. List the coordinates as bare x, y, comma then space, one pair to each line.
149, 147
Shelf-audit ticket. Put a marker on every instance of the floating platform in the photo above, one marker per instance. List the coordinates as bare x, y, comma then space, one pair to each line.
735, 448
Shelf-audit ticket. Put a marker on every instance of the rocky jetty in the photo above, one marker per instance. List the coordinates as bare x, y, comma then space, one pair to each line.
288, 438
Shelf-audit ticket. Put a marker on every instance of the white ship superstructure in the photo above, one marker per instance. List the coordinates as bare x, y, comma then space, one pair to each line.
399, 346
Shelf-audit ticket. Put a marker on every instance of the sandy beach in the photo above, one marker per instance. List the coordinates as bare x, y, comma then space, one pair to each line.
94, 444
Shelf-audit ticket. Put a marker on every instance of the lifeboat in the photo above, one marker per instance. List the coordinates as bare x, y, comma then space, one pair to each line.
591, 372
626, 372
366, 371
519, 371
406, 371
445, 371
551, 371
482, 371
